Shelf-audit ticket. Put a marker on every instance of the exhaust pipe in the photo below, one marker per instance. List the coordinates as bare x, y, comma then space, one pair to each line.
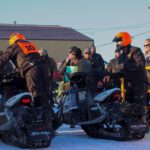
95, 121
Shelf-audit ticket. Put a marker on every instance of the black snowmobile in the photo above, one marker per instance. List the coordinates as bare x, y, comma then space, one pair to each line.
100, 111
21, 123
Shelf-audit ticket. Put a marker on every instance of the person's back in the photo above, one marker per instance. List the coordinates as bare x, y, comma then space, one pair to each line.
26, 57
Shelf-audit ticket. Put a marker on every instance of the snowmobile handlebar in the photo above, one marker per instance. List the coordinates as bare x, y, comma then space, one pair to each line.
87, 79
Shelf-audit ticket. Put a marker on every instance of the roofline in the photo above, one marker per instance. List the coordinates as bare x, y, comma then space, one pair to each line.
48, 26
5, 24
51, 39
33, 25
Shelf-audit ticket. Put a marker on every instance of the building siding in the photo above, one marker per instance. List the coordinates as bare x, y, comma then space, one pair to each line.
57, 49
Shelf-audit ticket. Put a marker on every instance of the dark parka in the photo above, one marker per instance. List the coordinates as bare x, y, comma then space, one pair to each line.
134, 74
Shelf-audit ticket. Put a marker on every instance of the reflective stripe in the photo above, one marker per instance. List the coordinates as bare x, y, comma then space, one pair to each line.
123, 91
147, 68
27, 47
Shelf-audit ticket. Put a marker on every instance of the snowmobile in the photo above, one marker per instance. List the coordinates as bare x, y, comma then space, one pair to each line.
100, 111
21, 123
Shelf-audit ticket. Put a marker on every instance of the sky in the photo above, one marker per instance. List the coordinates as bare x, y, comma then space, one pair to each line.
98, 19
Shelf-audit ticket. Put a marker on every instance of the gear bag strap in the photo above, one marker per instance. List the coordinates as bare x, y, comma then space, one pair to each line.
27, 47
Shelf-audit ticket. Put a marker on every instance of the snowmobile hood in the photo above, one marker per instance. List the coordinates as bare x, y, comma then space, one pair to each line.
102, 96
13, 100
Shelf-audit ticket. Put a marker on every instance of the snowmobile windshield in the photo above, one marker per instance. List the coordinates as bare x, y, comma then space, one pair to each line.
70, 70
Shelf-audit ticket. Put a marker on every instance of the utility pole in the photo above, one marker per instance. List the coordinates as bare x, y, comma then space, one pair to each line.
15, 22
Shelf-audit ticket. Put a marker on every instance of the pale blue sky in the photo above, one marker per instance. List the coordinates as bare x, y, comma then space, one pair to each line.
99, 19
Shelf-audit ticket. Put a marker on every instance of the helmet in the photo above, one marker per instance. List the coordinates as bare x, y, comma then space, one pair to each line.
77, 52
14, 37
125, 37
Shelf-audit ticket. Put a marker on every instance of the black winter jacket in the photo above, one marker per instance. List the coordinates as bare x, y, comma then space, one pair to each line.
134, 65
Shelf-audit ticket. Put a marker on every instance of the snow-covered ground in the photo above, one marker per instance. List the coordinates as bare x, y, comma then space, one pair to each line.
76, 139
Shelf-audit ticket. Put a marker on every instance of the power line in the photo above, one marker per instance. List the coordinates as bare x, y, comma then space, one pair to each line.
141, 34
144, 25
106, 44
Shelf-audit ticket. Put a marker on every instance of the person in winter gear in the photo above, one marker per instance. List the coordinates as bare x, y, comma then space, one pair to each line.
25, 56
53, 71
98, 67
51, 62
77, 60
67, 61
132, 68
97, 60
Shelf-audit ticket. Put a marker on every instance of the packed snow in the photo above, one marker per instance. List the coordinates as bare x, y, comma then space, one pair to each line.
75, 139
